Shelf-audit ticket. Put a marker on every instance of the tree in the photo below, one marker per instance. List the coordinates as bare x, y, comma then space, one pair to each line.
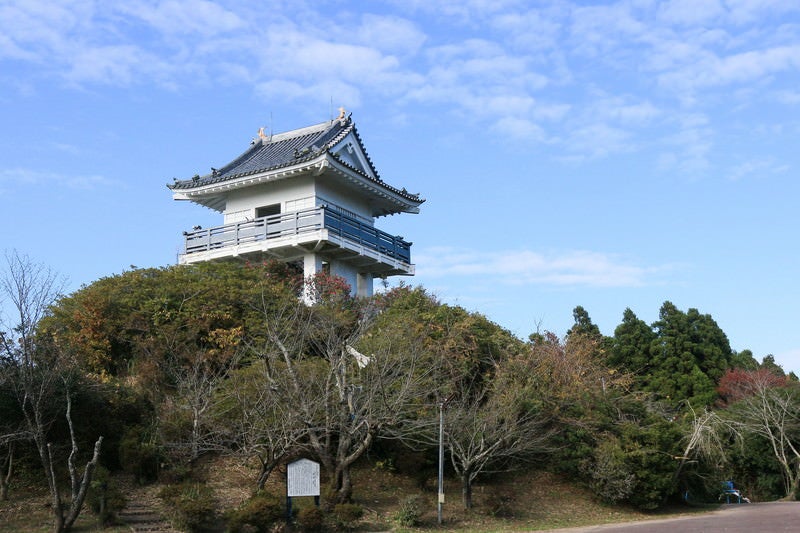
189, 414
689, 355
254, 419
141, 323
172, 336
316, 363
630, 347
769, 408
492, 426
583, 324
39, 373
12, 431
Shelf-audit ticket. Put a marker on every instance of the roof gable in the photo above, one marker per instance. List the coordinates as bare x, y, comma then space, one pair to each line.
336, 141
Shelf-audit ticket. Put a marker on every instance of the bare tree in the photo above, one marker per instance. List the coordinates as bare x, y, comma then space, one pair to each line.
343, 398
196, 377
12, 430
707, 439
38, 372
257, 422
773, 413
494, 426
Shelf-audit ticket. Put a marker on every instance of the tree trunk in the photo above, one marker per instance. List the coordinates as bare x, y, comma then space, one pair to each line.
266, 469
466, 489
344, 485
58, 513
340, 486
5, 474
79, 495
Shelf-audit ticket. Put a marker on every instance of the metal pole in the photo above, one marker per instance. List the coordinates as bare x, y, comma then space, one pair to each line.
441, 460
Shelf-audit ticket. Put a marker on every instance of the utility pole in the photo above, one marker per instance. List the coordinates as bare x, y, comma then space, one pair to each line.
442, 405
441, 461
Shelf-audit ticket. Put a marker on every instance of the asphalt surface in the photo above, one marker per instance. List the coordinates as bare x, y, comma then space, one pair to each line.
744, 518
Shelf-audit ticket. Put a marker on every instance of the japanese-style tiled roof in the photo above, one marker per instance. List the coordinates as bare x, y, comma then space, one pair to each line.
270, 153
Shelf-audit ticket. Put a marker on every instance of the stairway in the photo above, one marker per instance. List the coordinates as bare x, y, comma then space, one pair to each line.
143, 510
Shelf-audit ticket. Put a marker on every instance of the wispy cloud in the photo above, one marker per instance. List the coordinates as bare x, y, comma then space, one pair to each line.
560, 74
185, 17
22, 177
573, 268
758, 168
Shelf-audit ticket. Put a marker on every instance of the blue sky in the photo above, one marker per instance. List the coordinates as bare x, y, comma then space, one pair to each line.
604, 154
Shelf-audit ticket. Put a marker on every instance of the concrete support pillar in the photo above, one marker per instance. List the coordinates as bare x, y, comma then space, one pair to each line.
312, 264
363, 286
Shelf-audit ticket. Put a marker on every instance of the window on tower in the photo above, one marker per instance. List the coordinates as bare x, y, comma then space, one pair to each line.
268, 210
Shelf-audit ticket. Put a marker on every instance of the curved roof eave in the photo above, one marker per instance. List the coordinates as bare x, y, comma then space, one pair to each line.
402, 200
212, 194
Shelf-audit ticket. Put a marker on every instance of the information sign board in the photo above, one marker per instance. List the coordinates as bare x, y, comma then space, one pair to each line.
302, 478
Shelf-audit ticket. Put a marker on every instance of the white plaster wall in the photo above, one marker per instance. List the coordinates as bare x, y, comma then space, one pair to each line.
349, 274
343, 198
293, 194
278, 192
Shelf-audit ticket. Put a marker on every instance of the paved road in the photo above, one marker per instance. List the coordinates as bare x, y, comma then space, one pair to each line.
745, 518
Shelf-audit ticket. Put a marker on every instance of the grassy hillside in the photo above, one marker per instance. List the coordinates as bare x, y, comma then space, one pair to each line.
521, 501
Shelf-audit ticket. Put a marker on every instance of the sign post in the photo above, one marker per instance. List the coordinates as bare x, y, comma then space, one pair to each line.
302, 479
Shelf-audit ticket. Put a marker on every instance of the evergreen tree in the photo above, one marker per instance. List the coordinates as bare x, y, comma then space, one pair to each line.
583, 324
689, 356
630, 346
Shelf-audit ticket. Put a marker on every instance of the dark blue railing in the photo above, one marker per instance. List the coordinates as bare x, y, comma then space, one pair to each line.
346, 227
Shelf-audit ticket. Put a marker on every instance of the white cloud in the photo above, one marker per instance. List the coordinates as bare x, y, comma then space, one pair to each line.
536, 30
17, 177
690, 12
391, 34
692, 141
598, 30
184, 17
320, 92
791, 97
461, 11
710, 70
503, 65
523, 267
598, 140
113, 65
746, 11
518, 128
756, 168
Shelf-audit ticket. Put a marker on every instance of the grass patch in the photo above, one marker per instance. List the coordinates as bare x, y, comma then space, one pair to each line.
520, 501
28, 509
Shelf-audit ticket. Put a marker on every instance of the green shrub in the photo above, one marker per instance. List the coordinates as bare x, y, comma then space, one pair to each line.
137, 457
105, 497
409, 513
311, 519
346, 515
499, 505
191, 505
260, 512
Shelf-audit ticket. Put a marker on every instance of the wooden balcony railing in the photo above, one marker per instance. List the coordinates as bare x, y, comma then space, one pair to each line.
296, 224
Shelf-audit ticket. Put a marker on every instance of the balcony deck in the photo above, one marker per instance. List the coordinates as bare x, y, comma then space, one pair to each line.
289, 236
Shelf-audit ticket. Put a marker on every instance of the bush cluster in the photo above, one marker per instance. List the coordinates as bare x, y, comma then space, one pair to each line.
105, 497
347, 515
310, 520
409, 513
191, 505
259, 513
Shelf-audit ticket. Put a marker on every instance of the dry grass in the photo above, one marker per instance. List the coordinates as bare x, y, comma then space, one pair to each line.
28, 509
522, 501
